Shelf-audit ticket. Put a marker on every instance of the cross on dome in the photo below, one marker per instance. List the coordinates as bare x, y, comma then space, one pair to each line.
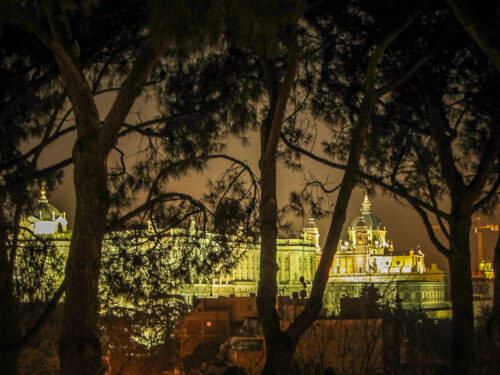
366, 204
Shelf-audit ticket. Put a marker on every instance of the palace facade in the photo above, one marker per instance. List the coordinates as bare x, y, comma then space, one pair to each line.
365, 257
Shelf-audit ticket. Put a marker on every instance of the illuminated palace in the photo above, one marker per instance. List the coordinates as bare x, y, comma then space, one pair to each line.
366, 257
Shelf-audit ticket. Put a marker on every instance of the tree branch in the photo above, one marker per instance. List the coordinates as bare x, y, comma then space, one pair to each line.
359, 134
282, 99
486, 164
430, 231
391, 86
165, 197
437, 124
373, 179
492, 192
483, 33
129, 92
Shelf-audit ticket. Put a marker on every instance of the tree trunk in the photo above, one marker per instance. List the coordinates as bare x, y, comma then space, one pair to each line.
9, 325
462, 350
268, 288
9, 332
80, 347
279, 357
279, 349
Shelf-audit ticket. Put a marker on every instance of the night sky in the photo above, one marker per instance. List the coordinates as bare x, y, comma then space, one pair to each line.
403, 225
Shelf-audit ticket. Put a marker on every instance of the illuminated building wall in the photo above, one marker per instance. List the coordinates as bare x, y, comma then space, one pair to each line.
296, 258
45, 218
367, 256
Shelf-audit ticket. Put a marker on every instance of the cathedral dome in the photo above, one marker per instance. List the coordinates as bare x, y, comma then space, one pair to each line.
366, 219
359, 222
45, 211
44, 218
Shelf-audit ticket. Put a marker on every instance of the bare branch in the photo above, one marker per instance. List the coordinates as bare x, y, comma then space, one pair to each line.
430, 231
479, 30
162, 198
373, 179
491, 192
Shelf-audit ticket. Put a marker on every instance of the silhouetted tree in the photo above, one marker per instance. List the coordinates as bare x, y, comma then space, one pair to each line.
327, 18
278, 57
451, 145
436, 138
62, 28
29, 109
481, 23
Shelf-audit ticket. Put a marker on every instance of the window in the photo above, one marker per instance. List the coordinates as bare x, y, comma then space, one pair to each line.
215, 327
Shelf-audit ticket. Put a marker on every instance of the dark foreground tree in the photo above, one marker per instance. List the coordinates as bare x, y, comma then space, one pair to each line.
278, 72
35, 113
29, 108
452, 149
437, 141
54, 23
194, 98
277, 61
481, 23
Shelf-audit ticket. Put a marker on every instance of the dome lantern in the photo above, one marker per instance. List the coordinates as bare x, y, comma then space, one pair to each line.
43, 194
366, 204
366, 218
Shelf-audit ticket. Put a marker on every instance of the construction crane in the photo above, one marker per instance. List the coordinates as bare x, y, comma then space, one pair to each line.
478, 228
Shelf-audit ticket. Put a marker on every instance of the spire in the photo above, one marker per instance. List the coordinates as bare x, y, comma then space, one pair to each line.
311, 223
43, 194
366, 204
